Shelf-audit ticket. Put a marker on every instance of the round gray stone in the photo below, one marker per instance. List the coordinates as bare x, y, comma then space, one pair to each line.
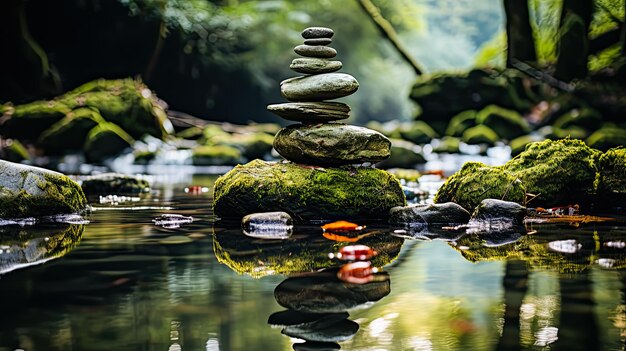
318, 41
317, 32
331, 144
315, 51
311, 112
318, 87
309, 65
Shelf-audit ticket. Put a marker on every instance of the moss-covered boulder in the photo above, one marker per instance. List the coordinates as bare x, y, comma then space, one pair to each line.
404, 154
476, 182
480, 134
612, 178
126, 102
70, 133
418, 132
216, 155
507, 124
306, 193
106, 140
331, 144
27, 191
607, 137
114, 184
447, 145
559, 172
461, 122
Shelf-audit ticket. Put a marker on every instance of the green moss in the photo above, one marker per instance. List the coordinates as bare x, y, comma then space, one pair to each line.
607, 137
70, 133
450, 145
480, 134
190, 133
461, 122
212, 155
106, 140
560, 172
519, 144
612, 178
507, 124
307, 193
114, 183
418, 132
209, 132
409, 175
476, 182
29, 120
251, 145
14, 151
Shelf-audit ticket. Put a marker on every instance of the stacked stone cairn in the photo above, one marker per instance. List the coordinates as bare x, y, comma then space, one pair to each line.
324, 176
318, 141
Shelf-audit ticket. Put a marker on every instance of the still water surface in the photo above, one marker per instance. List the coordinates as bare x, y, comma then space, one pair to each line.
124, 283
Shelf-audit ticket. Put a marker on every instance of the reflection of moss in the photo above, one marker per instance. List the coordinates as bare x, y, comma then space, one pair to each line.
307, 193
306, 252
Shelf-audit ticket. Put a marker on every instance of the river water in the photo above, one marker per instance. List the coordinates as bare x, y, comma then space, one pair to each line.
122, 282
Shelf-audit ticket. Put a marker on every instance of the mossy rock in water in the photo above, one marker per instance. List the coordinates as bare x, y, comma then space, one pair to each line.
106, 140
461, 122
607, 137
191, 133
126, 102
251, 145
114, 184
216, 155
418, 132
404, 154
306, 251
476, 182
449, 145
480, 134
518, 145
27, 191
29, 246
584, 117
559, 172
14, 151
307, 193
70, 133
507, 124
612, 178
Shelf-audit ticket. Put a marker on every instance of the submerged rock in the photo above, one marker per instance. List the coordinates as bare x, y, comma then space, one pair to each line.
114, 183
27, 191
318, 87
414, 215
307, 193
331, 144
476, 182
268, 225
493, 210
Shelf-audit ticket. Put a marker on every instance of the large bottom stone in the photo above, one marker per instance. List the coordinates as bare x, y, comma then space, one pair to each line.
307, 193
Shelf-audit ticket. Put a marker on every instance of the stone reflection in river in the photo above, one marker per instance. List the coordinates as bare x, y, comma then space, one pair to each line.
23, 246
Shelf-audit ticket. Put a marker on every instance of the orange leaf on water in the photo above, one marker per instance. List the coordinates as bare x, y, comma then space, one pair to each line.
340, 238
342, 226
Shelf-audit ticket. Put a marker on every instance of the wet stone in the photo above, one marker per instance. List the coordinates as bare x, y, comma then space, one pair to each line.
268, 225
318, 41
446, 213
310, 65
317, 32
493, 210
311, 111
331, 144
318, 87
315, 51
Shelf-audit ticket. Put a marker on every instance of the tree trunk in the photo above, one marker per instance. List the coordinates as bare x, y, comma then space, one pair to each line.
573, 47
519, 34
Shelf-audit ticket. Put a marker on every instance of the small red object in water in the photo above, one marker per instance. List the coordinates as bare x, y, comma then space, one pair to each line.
196, 189
357, 272
356, 253
342, 226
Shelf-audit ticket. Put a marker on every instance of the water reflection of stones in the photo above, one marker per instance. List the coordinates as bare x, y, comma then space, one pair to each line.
26, 246
305, 251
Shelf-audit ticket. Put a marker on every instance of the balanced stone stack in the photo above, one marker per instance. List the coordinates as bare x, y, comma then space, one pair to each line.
318, 141
321, 182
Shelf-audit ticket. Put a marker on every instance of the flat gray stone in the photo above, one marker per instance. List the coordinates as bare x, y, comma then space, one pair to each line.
315, 51
318, 87
447, 213
310, 65
318, 41
331, 144
311, 111
317, 32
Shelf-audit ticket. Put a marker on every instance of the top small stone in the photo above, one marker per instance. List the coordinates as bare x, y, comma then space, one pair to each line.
317, 32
